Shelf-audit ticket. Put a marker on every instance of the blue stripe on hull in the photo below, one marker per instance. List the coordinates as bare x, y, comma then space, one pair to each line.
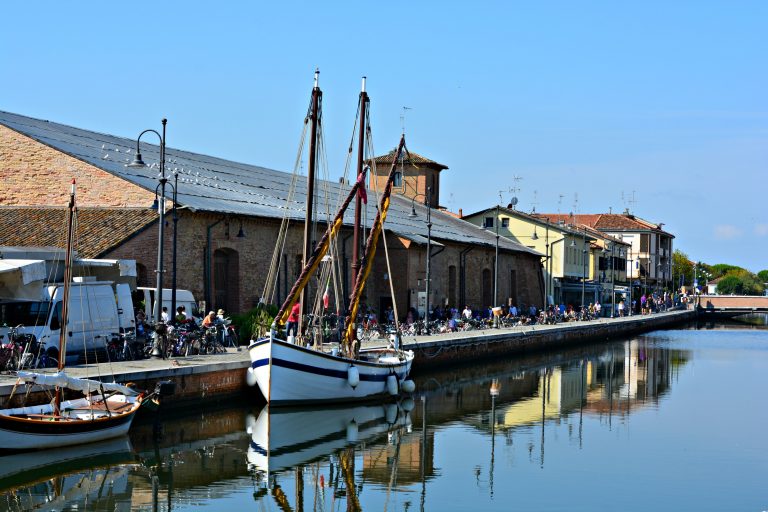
327, 372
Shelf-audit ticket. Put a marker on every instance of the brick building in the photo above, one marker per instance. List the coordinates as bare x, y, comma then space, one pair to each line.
229, 214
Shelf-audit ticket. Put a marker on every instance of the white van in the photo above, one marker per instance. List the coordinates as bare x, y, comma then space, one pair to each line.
97, 312
183, 298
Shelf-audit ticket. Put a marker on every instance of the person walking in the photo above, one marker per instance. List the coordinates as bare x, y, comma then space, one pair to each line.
292, 325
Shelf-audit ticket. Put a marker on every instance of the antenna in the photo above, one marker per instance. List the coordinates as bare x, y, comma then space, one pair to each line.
560, 203
402, 118
632, 201
535, 201
575, 202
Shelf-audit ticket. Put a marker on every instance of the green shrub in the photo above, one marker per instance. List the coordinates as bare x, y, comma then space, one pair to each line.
256, 322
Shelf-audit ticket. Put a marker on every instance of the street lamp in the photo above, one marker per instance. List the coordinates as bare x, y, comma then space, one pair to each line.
552, 266
139, 163
428, 204
496, 262
583, 269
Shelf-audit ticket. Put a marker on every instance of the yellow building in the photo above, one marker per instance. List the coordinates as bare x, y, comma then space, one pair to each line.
566, 251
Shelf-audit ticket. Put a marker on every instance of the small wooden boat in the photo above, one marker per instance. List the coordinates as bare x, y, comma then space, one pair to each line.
105, 411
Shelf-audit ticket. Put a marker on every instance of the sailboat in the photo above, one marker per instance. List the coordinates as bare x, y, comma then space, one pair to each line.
105, 411
288, 373
284, 438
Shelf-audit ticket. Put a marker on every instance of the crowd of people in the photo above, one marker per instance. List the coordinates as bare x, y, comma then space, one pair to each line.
452, 319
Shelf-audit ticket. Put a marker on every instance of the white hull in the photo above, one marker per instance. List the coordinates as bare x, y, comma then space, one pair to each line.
34, 428
26, 467
284, 438
291, 374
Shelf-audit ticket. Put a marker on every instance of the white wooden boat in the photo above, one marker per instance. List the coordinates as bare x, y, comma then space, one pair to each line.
290, 374
283, 438
106, 410
20, 470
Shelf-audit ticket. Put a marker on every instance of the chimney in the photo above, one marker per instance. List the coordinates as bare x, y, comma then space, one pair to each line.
461, 213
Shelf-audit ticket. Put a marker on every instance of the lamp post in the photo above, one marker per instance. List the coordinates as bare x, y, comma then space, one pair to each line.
428, 204
175, 229
613, 282
139, 163
631, 278
552, 266
583, 269
496, 268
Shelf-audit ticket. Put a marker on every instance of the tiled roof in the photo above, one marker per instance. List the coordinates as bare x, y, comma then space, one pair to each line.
606, 221
530, 217
410, 158
97, 230
213, 184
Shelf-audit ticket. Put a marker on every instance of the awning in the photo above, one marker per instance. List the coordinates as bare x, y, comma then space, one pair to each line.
21, 279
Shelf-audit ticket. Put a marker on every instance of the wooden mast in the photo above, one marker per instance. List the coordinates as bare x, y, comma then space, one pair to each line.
361, 177
350, 333
308, 234
65, 299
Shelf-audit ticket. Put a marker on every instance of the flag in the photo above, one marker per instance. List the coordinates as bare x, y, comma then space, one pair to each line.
326, 298
361, 192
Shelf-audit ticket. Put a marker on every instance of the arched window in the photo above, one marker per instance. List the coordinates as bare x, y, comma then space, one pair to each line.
226, 281
487, 288
452, 286
142, 277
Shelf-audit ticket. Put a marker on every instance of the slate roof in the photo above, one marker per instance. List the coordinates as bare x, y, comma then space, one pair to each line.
410, 158
212, 184
97, 230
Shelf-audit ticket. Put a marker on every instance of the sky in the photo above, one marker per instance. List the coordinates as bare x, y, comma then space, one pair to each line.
583, 106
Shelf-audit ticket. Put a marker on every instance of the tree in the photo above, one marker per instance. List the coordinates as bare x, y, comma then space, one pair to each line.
721, 269
740, 282
730, 285
763, 276
682, 267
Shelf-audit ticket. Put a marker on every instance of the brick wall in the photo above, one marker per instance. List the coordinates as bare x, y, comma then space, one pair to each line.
33, 174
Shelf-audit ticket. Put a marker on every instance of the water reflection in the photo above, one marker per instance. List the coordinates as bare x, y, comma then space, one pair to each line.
375, 457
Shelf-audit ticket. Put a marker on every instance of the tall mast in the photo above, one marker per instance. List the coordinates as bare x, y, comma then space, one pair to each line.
67, 285
308, 235
360, 175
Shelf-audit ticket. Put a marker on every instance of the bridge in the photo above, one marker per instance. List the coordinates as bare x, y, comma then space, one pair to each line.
731, 305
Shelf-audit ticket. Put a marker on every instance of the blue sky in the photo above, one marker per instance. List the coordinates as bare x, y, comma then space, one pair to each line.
592, 100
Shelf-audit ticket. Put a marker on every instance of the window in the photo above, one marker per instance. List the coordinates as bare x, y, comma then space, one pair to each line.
397, 180
505, 222
488, 223
645, 242
25, 313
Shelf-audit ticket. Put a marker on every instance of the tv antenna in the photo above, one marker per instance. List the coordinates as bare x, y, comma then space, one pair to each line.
535, 201
402, 118
575, 202
560, 203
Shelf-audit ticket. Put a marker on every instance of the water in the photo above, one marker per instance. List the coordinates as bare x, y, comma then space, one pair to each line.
672, 420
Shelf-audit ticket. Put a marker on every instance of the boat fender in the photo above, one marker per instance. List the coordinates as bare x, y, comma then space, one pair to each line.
352, 432
353, 376
408, 386
291, 339
250, 423
407, 404
392, 385
250, 377
390, 413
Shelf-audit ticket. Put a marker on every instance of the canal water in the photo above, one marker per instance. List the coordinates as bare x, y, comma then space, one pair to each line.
671, 420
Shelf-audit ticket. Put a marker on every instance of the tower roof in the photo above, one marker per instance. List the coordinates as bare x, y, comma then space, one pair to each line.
410, 158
